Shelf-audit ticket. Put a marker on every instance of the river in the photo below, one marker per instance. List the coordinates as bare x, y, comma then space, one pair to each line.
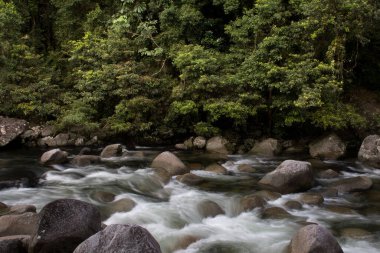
170, 211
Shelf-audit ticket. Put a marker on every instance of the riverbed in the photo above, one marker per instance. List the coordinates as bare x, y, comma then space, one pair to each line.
170, 211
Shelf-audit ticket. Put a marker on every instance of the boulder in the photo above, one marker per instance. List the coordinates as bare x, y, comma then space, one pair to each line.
180, 146
47, 131
208, 208
62, 139
268, 195
85, 160
329, 147
21, 224
111, 151
246, 168
251, 202
311, 198
63, 225
54, 156
10, 129
162, 174
216, 168
353, 184
289, 177
170, 162
199, 142
369, 152
218, 145
18, 209
267, 147
14, 244
47, 141
314, 238
120, 239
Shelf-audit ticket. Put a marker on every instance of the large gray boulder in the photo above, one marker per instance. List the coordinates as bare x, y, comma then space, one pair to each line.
120, 239
21, 224
329, 147
312, 239
369, 152
63, 225
267, 147
54, 156
218, 145
111, 151
290, 176
170, 162
10, 129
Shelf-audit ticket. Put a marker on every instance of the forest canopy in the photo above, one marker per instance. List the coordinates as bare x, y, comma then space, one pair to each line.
177, 67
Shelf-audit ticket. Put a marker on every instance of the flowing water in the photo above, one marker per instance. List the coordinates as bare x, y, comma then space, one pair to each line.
170, 212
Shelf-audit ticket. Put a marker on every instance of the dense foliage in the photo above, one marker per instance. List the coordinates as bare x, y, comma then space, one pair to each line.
175, 67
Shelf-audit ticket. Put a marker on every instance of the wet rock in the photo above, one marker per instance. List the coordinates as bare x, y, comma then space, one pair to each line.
293, 204
162, 174
268, 195
251, 202
340, 209
329, 147
63, 225
102, 196
170, 162
311, 198
290, 176
85, 160
353, 184
199, 142
120, 239
275, 213
208, 208
14, 244
216, 168
246, 168
111, 151
330, 193
62, 139
327, 174
267, 147
195, 166
18, 224
218, 145
121, 205
54, 156
47, 131
47, 141
10, 129
355, 233
314, 238
369, 152
184, 242
20, 209
191, 179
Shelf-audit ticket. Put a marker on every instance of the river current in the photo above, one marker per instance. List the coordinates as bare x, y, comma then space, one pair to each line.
170, 211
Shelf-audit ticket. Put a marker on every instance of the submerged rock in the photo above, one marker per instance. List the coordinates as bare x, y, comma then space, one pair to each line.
63, 225
191, 179
369, 152
85, 160
311, 198
275, 213
353, 184
121, 205
216, 168
312, 239
208, 208
54, 156
251, 202
120, 239
329, 147
290, 176
10, 129
170, 162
